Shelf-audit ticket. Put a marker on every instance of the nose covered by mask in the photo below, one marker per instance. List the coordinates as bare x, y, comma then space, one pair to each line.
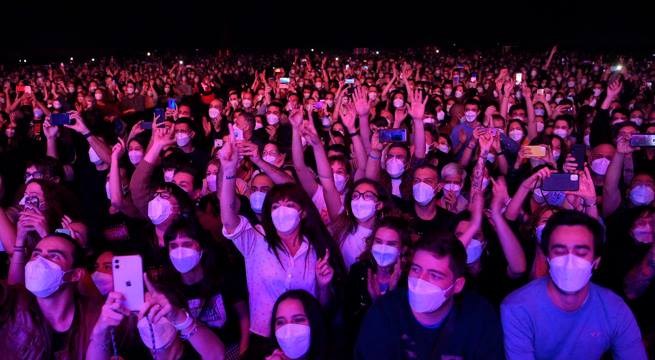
570, 272
184, 259
294, 339
257, 201
641, 195
103, 281
423, 193
43, 277
362, 209
425, 297
384, 255
159, 210
395, 167
285, 219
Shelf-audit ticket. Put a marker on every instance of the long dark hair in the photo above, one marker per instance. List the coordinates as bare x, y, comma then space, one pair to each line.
213, 262
395, 223
383, 197
318, 347
311, 226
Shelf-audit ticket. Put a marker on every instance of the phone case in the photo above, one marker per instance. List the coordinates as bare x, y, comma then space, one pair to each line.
536, 151
128, 280
561, 182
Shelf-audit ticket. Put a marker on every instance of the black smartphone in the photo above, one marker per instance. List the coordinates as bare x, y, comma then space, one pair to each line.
561, 182
146, 125
393, 135
160, 114
579, 152
642, 140
172, 104
60, 119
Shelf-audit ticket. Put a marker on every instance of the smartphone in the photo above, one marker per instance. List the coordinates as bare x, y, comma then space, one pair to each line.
642, 140
455, 79
172, 104
160, 115
518, 78
32, 202
319, 105
579, 152
218, 143
28, 89
350, 81
365, 67
146, 125
277, 70
60, 119
474, 77
393, 135
284, 80
536, 151
561, 182
128, 279
540, 92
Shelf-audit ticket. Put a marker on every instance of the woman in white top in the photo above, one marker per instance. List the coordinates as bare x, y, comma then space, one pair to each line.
292, 249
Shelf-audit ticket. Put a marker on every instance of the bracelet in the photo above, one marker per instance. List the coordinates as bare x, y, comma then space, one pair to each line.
588, 206
471, 147
87, 135
370, 155
19, 248
502, 153
230, 177
356, 133
184, 324
193, 331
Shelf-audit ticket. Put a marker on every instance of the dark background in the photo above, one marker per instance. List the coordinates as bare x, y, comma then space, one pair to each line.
52, 32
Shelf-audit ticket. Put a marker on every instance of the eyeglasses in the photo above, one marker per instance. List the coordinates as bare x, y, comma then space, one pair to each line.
368, 195
162, 194
33, 175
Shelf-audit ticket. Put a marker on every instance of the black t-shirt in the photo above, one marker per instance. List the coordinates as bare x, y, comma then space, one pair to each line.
59, 340
440, 223
198, 159
390, 331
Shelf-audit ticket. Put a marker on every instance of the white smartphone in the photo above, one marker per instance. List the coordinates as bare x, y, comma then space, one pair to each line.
518, 77
128, 280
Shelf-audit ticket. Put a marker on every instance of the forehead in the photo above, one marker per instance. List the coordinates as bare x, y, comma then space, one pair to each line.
290, 307
182, 176
385, 233
105, 257
262, 180
425, 173
270, 147
571, 236
603, 149
643, 178
33, 187
364, 187
397, 151
51, 243
429, 261
182, 126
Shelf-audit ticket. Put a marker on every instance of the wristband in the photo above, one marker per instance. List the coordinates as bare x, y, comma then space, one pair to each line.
502, 153
356, 133
370, 155
184, 324
230, 177
87, 135
471, 147
192, 332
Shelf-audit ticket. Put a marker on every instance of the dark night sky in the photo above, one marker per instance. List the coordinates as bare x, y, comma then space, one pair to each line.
80, 28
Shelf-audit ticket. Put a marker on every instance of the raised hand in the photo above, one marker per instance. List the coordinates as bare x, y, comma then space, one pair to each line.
163, 137
249, 149
157, 305
416, 106
50, 131
112, 314
586, 190
360, 99
347, 113
623, 145
118, 149
77, 125
614, 89
500, 194
324, 271
296, 118
530, 183
228, 154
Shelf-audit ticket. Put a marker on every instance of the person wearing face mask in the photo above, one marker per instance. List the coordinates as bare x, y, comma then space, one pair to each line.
184, 139
452, 183
47, 317
601, 156
426, 214
379, 270
201, 275
291, 233
395, 177
102, 276
299, 327
538, 318
117, 186
132, 102
462, 133
433, 316
641, 189
276, 127
601, 126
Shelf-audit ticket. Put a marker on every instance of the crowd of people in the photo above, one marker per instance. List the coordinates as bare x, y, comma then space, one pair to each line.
421, 204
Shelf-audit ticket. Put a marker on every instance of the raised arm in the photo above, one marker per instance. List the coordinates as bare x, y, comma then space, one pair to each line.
416, 111
348, 112
374, 158
229, 157
611, 191
51, 133
305, 175
516, 265
527, 186
102, 149
363, 107
532, 125
276, 174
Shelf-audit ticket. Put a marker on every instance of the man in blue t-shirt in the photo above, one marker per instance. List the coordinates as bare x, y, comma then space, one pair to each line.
433, 318
564, 316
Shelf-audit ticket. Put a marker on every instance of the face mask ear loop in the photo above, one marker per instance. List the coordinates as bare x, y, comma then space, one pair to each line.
152, 335
113, 342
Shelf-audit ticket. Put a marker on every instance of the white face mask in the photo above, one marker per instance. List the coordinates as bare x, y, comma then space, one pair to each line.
363, 209
168, 175
257, 201
269, 159
43, 277
441, 115
641, 195
561, 133
459, 94
214, 113
340, 182
600, 165
93, 157
107, 190
398, 103
516, 135
56, 104
452, 188
294, 339
234, 103
570, 272
163, 333
184, 259
135, 156
159, 210
540, 127
211, 182
182, 139
272, 119
597, 92
98, 97
587, 140
443, 148
395, 167
470, 116
643, 234
556, 154
103, 281
247, 103
130, 90
372, 96
423, 193
425, 297
285, 219
384, 255
474, 251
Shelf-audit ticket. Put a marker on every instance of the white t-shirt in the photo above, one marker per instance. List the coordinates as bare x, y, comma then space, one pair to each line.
354, 245
395, 187
268, 277
319, 201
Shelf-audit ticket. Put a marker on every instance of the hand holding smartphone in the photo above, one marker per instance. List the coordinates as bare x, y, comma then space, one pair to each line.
393, 135
128, 280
